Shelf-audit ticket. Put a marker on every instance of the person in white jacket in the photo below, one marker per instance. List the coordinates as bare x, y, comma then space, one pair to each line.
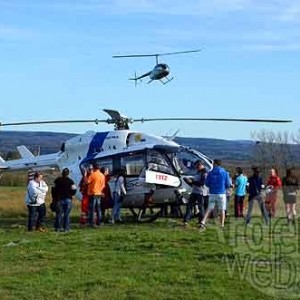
118, 195
35, 201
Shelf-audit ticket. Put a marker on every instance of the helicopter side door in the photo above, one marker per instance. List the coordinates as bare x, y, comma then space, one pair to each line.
162, 175
134, 163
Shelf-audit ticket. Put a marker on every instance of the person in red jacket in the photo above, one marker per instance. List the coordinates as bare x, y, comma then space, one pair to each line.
271, 199
83, 187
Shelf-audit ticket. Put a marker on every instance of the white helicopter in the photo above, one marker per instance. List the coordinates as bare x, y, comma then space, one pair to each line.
156, 167
160, 71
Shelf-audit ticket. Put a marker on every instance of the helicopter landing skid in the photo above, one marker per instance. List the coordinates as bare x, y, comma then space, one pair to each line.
146, 214
168, 80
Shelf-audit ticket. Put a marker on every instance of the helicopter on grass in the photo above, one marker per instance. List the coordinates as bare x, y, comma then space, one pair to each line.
156, 167
160, 70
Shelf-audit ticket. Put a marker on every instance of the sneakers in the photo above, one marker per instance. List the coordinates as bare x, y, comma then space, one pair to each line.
202, 227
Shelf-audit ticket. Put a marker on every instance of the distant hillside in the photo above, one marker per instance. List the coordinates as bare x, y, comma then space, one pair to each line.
49, 142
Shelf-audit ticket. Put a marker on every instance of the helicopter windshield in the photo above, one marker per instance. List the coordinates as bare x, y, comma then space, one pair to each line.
184, 161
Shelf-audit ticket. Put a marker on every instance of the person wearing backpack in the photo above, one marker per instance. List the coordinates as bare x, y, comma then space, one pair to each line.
65, 190
35, 201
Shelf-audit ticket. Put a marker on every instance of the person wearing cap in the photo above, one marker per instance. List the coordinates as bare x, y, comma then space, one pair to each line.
35, 201
199, 194
65, 189
96, 184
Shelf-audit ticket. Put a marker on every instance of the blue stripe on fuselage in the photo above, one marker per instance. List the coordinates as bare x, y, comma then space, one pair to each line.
96, 145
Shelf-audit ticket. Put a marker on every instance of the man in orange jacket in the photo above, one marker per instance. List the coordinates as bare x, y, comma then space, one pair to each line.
96, 184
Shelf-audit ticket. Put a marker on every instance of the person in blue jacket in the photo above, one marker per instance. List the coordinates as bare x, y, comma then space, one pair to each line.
240, 191
217, 181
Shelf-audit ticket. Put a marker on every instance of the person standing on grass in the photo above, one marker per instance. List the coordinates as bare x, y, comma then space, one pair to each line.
272, 198
96, 184
199, 193
65, 189
83, 187
255, 186
118, 196
35, 201
217, 181
229, 193
106, 199
240, 192
290, 185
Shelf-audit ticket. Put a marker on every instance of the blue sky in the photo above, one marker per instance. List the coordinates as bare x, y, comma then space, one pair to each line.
56, 63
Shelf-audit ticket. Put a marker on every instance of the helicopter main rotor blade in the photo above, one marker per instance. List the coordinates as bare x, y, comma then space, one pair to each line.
157, 54
179, 52
214, 119
96, 121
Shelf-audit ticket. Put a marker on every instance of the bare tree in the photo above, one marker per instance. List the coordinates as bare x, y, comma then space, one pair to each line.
273, 150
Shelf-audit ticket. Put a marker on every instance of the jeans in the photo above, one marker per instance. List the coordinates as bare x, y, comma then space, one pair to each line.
116, 213
261, 202
63, 213
94, 204
195, 199
38, 220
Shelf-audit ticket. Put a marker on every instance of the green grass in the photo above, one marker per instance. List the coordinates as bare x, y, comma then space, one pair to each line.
141, 261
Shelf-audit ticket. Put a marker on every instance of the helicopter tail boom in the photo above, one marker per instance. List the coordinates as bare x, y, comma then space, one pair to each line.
47, 161
136, 78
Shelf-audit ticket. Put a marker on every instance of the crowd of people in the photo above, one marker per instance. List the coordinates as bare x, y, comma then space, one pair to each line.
96, 198
211, 193
213, 190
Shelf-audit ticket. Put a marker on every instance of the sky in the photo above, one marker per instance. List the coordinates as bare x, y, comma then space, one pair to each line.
56, 63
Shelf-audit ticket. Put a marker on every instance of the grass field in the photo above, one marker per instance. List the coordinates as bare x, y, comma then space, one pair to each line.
161, 260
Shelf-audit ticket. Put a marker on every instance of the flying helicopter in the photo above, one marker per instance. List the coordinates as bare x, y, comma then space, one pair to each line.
160, 70
157, 168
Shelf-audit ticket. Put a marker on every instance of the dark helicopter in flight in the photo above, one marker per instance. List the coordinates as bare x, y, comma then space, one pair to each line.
160, 71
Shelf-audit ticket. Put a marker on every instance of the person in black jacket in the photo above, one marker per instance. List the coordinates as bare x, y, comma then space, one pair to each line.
65, 189
255, 190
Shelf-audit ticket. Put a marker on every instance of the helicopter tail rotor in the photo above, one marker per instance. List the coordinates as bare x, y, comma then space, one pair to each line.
135, 79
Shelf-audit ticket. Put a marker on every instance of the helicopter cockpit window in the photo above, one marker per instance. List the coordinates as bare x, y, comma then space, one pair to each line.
158, 163
134, 164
